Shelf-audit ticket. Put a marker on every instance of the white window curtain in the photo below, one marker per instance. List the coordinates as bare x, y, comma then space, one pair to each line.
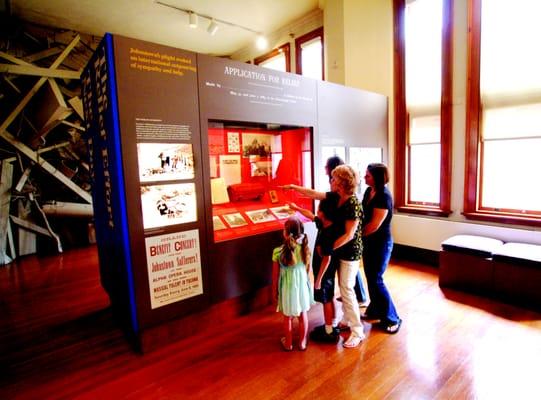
423, 21
311, 59
511, 105
277, 63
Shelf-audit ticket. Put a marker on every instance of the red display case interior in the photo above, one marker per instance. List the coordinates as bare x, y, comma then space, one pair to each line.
248, 165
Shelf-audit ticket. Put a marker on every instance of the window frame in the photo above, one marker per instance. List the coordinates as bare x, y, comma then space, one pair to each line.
298, 50
402, 162
473, 155
283, 49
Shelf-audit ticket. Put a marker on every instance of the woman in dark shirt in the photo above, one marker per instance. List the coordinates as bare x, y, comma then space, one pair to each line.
348, 247
377, 247
330, 165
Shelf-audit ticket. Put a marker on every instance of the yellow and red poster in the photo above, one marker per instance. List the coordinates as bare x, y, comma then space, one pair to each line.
174, 267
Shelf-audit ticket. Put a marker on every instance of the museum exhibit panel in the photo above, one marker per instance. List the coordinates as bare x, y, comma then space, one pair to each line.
188, 156
144, 141
275, 115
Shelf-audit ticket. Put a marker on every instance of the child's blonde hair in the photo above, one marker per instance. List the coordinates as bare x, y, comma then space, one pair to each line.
294, 234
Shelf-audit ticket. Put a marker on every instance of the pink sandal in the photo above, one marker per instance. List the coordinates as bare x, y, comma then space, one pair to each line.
285, 347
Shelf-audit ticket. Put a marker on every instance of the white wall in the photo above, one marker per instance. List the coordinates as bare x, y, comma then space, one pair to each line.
333, 17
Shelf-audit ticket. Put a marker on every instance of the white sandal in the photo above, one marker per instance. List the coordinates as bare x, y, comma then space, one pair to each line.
353, 341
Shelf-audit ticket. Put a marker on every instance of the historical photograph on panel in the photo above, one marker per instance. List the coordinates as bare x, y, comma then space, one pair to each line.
235, 220
254, 144
259, 216
165, 161
217, 223
165, 205
282, 212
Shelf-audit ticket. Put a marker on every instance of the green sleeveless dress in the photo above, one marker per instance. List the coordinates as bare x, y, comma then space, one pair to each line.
295, 293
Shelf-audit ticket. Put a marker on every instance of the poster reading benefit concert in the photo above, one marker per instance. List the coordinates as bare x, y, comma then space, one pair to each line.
174, 267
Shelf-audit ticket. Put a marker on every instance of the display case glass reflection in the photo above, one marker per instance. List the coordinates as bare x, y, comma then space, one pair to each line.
360, 157
326, 153
248, 165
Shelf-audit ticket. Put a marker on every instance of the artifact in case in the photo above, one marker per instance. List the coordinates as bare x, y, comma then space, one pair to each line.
252, 162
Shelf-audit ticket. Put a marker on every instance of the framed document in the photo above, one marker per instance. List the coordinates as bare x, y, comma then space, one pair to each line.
259, 216
235, 220
273, 196
233, 142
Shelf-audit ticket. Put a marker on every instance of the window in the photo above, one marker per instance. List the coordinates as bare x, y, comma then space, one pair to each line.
309, 53
503, 143
278, 59
423, 87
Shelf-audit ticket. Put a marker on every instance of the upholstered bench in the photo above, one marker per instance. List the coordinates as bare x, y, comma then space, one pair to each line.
466, 263
517, 274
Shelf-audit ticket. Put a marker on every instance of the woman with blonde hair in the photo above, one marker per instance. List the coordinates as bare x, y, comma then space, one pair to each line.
348, 247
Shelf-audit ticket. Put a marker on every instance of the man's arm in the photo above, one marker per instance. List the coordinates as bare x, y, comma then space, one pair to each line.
313, 194
325, 262
307, 213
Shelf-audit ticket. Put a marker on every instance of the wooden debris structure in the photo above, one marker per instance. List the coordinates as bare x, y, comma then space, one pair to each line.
44, 173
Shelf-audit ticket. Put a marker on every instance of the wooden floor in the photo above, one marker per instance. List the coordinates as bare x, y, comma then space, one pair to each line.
58, 340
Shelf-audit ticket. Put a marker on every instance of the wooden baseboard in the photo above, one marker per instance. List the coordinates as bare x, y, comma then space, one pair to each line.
416, 254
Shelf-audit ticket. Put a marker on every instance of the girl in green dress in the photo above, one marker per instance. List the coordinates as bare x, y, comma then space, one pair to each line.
291, 262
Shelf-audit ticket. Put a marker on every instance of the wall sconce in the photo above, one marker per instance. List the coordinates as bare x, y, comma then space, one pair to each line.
213, 27
193, 19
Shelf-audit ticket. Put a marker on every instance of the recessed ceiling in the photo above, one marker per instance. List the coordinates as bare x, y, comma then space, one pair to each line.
147, 20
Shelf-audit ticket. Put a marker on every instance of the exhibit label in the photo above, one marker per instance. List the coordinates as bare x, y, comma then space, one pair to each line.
174, 267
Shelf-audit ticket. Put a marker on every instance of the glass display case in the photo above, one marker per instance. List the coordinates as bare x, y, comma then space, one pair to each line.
249, 163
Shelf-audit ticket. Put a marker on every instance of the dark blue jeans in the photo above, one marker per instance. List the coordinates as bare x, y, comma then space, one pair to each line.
376, 255
359, 288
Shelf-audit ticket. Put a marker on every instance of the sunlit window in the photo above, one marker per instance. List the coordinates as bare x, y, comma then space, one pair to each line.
510, 89
423, 23
423, 105
309, 54
277, 63
312, 66
425, 156
278, 59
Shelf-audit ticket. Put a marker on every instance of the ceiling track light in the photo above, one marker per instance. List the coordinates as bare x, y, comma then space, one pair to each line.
212, 28
192, 17
261, 41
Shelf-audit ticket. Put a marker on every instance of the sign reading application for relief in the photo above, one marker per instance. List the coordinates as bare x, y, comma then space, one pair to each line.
174, 267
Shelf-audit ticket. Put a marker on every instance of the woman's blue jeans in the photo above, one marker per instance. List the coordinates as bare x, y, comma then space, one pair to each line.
376, 256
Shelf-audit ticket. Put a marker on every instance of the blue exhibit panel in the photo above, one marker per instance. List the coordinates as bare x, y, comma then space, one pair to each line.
108, 191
